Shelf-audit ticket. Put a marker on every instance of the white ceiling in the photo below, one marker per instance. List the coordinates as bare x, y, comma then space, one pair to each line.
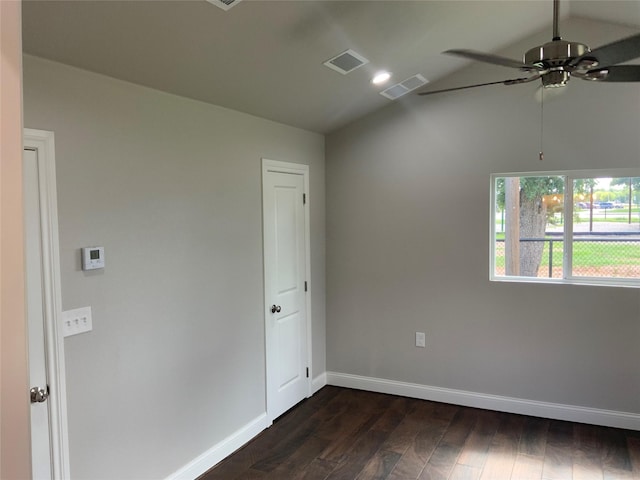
265, 57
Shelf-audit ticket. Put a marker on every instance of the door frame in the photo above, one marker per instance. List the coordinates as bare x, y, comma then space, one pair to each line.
297, 169
43, 142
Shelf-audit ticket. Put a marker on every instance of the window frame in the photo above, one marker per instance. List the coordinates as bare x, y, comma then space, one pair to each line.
567, 235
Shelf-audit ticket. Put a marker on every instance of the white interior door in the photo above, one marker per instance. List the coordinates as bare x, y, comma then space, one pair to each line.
286, 265
40, 438
49, 443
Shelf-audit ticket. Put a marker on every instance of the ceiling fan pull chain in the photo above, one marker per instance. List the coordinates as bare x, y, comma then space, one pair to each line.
541, 154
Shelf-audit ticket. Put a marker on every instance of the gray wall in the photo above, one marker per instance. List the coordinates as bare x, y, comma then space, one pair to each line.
408, 242
172, 189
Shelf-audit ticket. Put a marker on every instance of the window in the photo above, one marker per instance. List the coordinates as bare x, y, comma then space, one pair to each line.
566, 227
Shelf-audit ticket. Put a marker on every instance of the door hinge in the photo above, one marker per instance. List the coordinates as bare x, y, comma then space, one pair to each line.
307, 372
304, 198
305, 286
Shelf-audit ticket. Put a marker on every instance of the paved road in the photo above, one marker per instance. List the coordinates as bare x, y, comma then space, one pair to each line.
603, 227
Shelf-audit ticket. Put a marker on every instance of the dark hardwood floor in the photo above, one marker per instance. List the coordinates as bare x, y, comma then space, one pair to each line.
349, 434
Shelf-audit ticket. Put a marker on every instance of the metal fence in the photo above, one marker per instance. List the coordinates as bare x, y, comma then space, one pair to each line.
593, 255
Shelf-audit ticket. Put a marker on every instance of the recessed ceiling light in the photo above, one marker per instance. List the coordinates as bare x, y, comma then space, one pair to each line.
380, 78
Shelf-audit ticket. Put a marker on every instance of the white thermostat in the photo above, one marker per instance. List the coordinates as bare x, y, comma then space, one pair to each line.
92, 258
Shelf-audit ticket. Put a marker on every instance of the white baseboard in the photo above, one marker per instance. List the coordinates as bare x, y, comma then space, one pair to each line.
534, 408
221, 450
318, 382
226, 447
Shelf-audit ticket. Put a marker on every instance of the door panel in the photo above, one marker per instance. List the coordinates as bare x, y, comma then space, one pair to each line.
289, 361
285, 274
285, 241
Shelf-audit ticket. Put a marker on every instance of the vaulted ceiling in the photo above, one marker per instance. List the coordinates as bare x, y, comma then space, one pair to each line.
266, 58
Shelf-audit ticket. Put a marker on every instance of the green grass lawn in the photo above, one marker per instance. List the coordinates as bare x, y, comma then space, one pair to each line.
588, 253
597, 254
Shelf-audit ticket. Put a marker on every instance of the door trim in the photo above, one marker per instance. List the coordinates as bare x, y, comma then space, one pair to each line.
43, 142
298, 169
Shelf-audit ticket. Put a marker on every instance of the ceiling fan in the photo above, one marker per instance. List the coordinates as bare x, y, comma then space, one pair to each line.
555, 62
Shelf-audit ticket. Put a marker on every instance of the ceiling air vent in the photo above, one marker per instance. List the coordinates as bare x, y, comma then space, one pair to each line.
224, 4
346, 62
404, 87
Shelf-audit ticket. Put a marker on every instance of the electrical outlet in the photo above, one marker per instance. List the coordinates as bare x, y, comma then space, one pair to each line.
420, 339
76, 321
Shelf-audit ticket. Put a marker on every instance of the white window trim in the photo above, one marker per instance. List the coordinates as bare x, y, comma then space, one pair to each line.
567, 275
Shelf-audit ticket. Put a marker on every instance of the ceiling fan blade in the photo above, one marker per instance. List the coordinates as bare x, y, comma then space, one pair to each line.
616, 73
513, 81
490, 58
613, 53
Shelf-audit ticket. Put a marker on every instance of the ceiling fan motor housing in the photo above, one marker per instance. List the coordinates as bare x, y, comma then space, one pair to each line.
555, 54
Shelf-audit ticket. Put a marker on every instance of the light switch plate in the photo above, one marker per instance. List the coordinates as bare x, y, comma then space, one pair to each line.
420, 339
76, 321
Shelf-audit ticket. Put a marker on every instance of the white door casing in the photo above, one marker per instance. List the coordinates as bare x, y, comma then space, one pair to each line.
286, 270
49, 441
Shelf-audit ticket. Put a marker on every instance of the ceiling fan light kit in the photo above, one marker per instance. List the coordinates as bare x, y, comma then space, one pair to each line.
555, 62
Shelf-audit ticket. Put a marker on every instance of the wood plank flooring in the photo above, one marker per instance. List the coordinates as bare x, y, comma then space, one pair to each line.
349, 434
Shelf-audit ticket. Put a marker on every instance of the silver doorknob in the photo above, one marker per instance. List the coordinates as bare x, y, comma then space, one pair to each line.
38, 394
275, 308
